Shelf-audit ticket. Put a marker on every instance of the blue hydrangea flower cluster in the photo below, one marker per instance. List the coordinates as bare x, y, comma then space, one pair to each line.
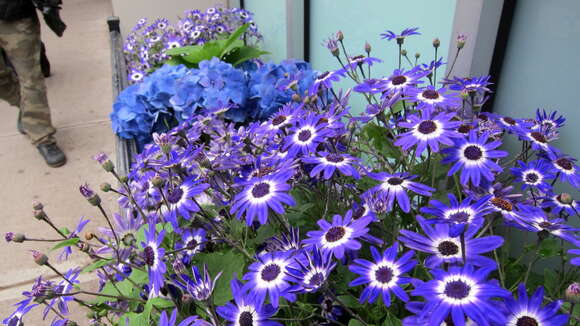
175, 93
146, 45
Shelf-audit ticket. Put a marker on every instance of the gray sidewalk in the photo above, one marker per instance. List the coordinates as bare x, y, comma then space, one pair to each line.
80, 98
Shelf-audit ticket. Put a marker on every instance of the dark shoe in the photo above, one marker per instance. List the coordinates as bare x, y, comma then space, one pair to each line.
19, 123
52, 154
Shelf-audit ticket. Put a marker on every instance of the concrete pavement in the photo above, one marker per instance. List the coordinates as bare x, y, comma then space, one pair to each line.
80, 99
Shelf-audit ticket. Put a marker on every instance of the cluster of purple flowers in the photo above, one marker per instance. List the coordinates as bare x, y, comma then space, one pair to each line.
355, 186
145, 47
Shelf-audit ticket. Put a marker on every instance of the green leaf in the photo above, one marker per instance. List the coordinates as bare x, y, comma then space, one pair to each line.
146, 314
162, 303
349, 301
64, 230
398, 107
391, 320
184, 50
549, 247
354, 322
230, 42
96, 265
229, 263
551, 281
66, 243
242, 54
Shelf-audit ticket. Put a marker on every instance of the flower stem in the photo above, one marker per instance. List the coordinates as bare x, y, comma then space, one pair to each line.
354, 314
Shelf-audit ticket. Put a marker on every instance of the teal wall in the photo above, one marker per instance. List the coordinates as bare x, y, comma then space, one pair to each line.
365, 20
270, 16
541, 66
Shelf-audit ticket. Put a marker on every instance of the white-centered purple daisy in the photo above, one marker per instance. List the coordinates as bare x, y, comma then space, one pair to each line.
153, 256
428, 130
192, 241
461, 292
390, 35
534, 174
429, 97
311, 269
534, 219
395, 186
528, 311
558, 203
325, 80
340, 235
475, 157
180, 200
306, 135
447, 249
328, 163
268, 277
549, 121
539, 138
262, 194
565, 168
458, 214
165, 320
400, 81
383, 276
199, 286
246, 310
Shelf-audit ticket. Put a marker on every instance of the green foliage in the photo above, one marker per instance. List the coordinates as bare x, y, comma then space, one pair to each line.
96, 265
230, 263
66, 243
549, 247
231, 50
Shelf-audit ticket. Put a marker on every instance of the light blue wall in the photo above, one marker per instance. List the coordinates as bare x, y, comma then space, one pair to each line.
365, 20
270, 16
541, 66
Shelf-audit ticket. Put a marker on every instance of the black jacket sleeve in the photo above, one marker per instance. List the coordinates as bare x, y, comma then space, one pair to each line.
11, 10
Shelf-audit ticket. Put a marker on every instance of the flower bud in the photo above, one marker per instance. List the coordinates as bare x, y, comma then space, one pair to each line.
84, 247
565, 198
572, 293
313, 98
293, 85
89, 236
39, 258
179, 267
157, 181
9, 236
461, 38
296, 97
36, 205
417, 55
436, 42
19, 238
129, 239
124, 179
90, 195
403, 52
40, 215
339, 36
367, 47
105, 187
335, 51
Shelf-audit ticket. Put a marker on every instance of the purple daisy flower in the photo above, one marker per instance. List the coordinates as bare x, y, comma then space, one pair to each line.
359, 60
192, 239
534, 219
311, 269
551, 121
474, 156
511, 125
371, 86
534, 174
246, 310
390, 35
471, 84
340, 235
164, 320
576, 260
261, 194
402, 80
395, 186
306, 135
540, 139
181, 200
524, 310
289, 242
199, 286
153, 255
328, 163
325, 80
447, 249
16, 318
67, 251
384, 275
561, 202
429, 98
428, 130
268, 277
458, 214
461, 292
565, 167
61, 289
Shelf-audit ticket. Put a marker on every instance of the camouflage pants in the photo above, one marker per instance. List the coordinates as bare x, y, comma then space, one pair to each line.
23, 86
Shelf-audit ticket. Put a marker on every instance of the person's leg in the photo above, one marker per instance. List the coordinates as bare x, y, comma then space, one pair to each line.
9, 87
21, 41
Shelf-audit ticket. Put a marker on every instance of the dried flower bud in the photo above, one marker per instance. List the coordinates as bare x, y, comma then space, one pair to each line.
368, 47
339, 36
436, 42
572, 293
461, 38
565, 198
296, 97
157, 181
89, 236
39, 258
417, 55
403, 52
36, 205
105, 187
40, 215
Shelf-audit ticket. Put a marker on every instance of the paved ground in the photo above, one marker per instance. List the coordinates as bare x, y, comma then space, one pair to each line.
80, 97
